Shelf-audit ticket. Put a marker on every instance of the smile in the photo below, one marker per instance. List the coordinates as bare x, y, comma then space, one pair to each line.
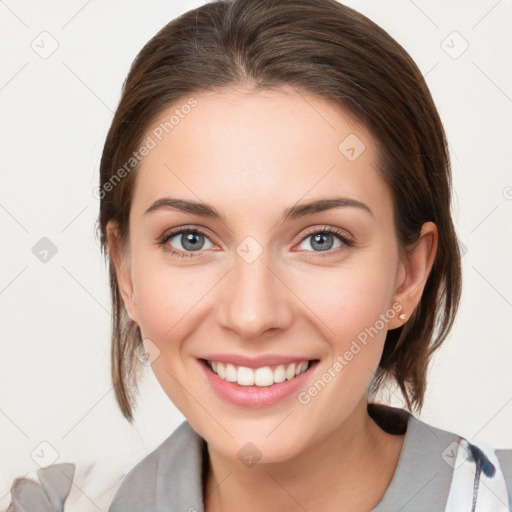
256, 387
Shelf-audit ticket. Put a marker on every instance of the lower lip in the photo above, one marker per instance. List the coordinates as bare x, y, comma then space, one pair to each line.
255, 396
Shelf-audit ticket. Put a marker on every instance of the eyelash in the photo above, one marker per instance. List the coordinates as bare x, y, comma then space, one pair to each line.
347, 242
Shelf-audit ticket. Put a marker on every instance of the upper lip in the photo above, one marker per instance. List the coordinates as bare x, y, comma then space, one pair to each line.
256, 362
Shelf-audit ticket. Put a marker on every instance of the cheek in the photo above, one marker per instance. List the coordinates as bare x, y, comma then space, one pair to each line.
169, 300
348, 301
161, 301
348, 305
348, 310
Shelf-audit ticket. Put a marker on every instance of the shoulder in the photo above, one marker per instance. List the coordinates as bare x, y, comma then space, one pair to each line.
441, 470
479, 474
175, 463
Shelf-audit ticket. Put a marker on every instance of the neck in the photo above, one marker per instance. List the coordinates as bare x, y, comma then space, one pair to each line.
350, 469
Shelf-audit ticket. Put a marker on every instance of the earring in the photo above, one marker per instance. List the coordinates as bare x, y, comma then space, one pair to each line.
401, 316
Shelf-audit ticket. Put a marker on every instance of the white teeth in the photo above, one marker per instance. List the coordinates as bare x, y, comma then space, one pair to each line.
280, 374
290, 372
245, 376
263, 376
231, 373
301, 367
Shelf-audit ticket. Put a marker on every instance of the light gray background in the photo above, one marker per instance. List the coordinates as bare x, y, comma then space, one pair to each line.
55, 320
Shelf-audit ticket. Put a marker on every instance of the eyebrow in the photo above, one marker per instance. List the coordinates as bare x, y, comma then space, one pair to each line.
291, 213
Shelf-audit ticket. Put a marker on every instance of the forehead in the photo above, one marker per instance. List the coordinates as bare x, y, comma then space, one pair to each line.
250, 151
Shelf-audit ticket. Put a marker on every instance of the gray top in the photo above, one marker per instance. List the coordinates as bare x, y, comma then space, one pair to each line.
170, 478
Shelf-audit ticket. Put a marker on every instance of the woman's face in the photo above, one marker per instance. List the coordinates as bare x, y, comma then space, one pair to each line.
260, 283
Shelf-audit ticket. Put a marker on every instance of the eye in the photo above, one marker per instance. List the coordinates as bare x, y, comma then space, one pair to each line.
323, 240
185, 240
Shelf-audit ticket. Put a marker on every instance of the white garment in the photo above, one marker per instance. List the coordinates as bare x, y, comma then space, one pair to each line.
478, 483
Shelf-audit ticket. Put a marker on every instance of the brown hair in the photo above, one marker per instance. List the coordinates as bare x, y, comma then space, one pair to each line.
328, 50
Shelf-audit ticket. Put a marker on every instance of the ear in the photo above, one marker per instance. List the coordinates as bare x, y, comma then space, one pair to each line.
416, 264
121, 260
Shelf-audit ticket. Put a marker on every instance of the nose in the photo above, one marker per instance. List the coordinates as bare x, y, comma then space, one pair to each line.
255, 299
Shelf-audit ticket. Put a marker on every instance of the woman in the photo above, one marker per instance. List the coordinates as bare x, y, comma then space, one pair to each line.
275, 206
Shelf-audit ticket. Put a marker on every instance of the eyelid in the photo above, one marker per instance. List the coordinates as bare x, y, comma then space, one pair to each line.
343, 234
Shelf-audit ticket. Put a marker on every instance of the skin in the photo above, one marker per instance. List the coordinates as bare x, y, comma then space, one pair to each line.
251, 156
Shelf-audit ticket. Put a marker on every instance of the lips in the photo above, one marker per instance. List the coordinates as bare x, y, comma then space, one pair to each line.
250, 395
